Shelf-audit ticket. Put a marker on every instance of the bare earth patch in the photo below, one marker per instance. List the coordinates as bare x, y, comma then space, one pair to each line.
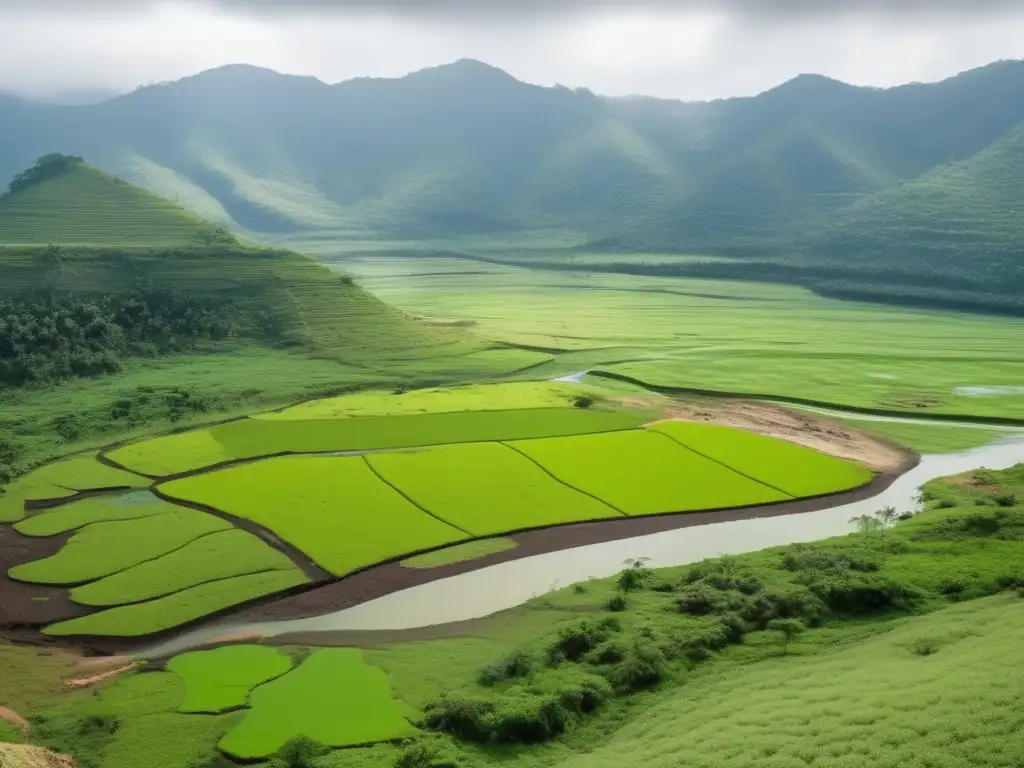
25, 756
806, 429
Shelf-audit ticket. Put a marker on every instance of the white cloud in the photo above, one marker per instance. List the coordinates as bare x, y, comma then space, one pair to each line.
704, 52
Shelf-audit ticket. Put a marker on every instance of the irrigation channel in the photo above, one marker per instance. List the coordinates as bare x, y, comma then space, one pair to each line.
499, 587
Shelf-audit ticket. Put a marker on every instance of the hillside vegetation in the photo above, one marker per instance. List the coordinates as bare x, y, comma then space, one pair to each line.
904, 193
63, 200
149, 281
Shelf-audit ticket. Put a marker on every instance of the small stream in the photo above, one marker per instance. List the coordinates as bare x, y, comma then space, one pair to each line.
505, 585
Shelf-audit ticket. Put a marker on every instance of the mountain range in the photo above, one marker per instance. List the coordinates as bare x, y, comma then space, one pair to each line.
921, 181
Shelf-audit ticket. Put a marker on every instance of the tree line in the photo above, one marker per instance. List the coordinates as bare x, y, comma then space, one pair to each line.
48, 338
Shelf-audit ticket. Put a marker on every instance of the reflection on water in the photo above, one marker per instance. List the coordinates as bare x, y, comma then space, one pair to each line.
498, 587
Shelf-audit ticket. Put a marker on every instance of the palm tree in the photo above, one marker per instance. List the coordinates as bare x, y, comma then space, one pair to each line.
865, 523
885, 516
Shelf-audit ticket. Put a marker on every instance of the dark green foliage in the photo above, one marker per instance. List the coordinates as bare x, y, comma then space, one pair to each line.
46, 167
147, 404
524, 714
700, 599
84, 736
465, 717
51, 338
517, 664
642, 666
10, 452
725, 573
577, 640
862, 593
426, 754
1006, 500
583, 401
617, 603
300, 752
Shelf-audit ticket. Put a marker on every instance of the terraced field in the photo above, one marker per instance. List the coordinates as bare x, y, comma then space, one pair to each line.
175, 528
249, 438
95, 208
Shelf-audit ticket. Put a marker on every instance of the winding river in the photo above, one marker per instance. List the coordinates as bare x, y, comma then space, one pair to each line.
505, 585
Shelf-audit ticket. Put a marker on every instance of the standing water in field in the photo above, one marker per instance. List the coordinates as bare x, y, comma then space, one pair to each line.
499, 587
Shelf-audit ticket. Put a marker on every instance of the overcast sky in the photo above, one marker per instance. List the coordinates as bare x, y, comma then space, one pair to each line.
689, 49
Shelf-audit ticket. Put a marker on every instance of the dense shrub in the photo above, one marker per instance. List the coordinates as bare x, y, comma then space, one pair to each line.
300, 752
575, 641
583, 401
517, 664
1006, 500
701, 599
10, 453
862, 592
794, 603
643, 666
617, 603
524, 715
50, 338
724, 574
426, 754
465, 717
803, 558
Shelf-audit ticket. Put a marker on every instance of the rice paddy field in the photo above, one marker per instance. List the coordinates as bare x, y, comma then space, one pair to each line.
333, 697
719, 335
165, 531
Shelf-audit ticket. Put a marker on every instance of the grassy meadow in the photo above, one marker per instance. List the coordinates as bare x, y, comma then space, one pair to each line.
727, 336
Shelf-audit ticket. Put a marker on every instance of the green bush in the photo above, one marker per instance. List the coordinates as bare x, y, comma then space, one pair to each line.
465, 717
617, 603
426, 754
300, 752
808, 558
577, 640
863, 592
724, 574
517, 664
792, 603
700, 599
643, 666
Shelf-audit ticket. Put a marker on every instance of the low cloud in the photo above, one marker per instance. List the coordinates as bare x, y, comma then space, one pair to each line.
690, 49
780, 9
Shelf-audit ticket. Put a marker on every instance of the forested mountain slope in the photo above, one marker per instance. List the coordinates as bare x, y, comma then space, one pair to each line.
791, 175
